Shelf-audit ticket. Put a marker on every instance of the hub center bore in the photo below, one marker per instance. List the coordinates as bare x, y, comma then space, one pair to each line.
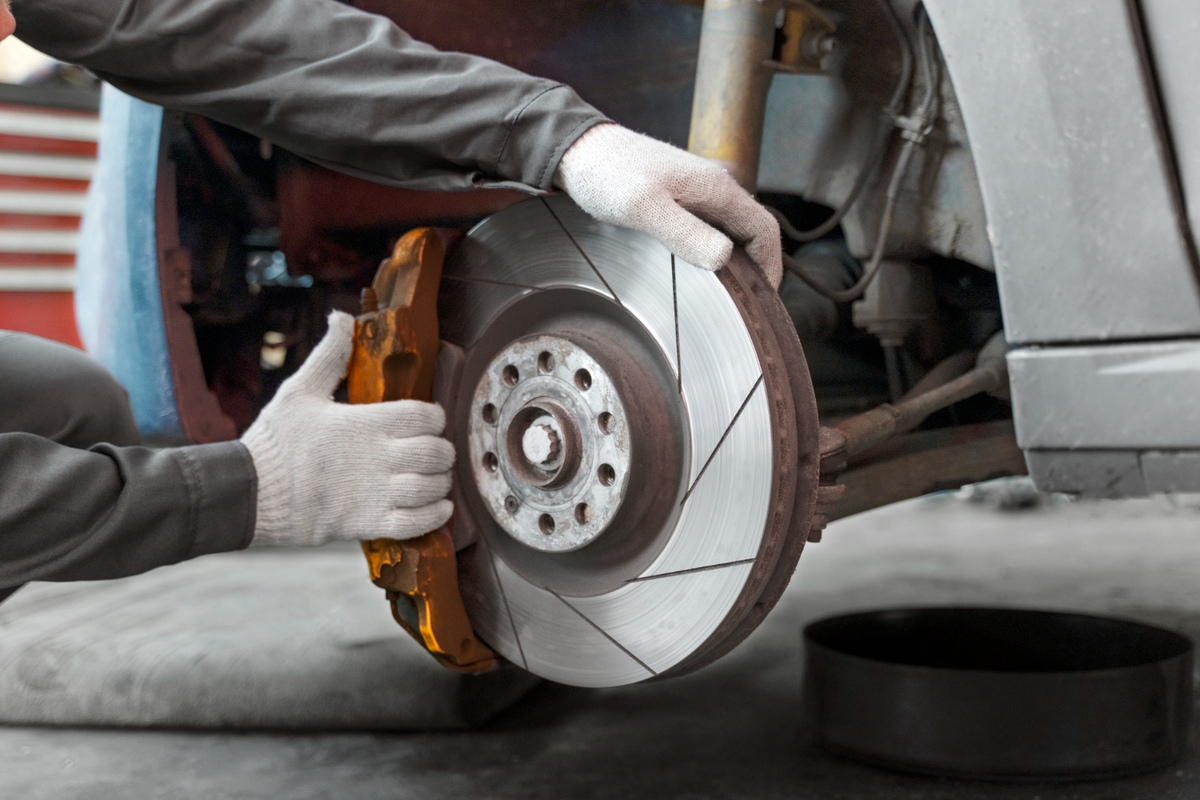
541, 444
550, 446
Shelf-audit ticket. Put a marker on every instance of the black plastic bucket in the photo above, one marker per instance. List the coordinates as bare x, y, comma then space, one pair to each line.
999, 693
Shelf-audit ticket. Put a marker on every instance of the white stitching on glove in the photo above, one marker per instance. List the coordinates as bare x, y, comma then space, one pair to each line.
330, 471
628, 179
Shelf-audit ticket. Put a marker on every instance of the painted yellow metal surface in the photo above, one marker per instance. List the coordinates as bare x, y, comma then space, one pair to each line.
395, 348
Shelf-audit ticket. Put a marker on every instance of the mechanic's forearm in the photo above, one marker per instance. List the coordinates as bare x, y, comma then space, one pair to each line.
341, 87
69, 514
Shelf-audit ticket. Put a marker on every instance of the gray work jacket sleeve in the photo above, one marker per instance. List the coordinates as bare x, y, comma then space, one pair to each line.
341, 87
69, 514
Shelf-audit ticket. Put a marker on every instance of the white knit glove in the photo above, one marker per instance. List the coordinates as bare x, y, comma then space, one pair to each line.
628, 179
331, 471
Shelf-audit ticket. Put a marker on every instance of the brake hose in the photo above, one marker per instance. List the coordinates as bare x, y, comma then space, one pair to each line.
913, 129
878, 149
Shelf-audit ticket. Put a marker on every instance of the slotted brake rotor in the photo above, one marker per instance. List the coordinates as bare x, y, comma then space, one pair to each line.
637, 445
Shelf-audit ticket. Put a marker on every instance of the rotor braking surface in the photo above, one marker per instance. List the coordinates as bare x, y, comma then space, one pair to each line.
712, 397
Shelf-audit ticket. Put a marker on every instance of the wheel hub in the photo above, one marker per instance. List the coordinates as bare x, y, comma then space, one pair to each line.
550, 449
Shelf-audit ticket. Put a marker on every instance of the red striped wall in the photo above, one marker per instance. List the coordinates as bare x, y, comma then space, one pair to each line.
46, 159
47, 314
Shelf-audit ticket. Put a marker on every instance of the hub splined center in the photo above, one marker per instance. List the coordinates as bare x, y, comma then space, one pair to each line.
550, 445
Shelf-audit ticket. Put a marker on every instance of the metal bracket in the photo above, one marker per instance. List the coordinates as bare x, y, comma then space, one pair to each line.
808, 39
421, 579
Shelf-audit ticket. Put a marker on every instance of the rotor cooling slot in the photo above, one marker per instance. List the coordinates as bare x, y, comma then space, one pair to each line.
794, 417
706, 509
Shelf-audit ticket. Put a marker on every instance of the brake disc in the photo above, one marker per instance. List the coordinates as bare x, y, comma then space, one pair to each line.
637, 446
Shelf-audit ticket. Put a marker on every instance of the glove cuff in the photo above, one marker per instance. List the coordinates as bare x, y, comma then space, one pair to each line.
586, 155
274, 501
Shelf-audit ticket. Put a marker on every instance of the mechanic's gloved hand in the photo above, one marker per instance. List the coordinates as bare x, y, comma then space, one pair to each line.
330, 471
629, 179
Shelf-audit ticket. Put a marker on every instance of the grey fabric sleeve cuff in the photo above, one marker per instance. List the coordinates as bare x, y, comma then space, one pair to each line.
541, 131
222, 509
107, 512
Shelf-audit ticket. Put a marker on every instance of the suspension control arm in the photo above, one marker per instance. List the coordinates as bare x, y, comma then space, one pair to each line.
855, 435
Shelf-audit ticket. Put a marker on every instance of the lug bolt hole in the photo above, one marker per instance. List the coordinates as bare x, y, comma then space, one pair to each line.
583, 513
510, 375
606, 421
606, 474
511, 504
545, 363
583, 379
490, 462
546, 524
490, 415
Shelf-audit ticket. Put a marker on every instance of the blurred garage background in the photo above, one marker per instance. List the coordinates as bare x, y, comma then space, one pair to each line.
49, 127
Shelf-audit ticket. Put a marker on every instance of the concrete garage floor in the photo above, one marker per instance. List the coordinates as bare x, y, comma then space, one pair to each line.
732, 730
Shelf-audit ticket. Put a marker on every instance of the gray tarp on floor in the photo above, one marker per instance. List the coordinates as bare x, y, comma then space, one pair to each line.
734, 730
262, 639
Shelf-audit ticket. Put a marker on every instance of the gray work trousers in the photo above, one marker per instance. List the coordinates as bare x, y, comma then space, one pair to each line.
80, 499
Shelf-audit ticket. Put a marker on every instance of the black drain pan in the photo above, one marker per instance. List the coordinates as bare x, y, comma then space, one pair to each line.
999, 693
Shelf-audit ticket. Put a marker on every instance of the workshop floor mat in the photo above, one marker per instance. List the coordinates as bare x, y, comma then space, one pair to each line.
268, 639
